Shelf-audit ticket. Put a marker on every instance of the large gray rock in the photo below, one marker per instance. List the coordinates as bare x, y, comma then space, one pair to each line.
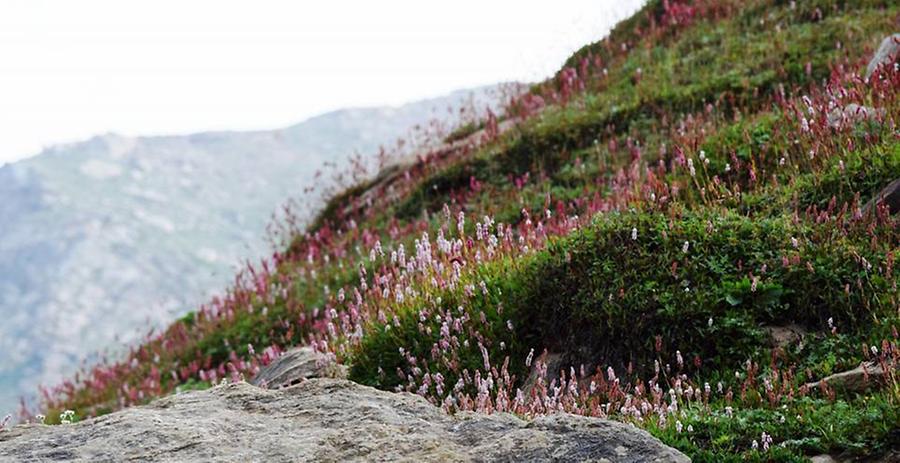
324, 420
297, 365
852, 114
889, 196
785, 336
867, 375
886, 55
824, 458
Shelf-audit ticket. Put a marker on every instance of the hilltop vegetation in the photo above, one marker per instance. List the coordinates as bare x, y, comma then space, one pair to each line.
622, 241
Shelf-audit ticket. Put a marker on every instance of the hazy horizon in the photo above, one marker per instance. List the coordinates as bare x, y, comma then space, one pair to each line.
71, 71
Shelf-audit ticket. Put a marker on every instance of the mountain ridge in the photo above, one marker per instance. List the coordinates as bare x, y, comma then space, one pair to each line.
88, 226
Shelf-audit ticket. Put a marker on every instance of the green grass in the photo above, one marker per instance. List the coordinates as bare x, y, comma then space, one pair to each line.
859, 427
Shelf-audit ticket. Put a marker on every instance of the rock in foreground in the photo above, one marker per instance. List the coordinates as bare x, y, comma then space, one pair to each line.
324, 420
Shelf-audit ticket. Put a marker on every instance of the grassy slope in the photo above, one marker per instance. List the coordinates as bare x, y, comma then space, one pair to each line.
610, 149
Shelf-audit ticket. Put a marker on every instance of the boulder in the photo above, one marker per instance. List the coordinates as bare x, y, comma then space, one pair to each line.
852, 114
824, 458
889, 195
859, 379
886, 55
891, 456
546, 368
296, 365
325, 420
785, 336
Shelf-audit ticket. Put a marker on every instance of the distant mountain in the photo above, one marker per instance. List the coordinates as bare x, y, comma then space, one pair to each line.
109, 237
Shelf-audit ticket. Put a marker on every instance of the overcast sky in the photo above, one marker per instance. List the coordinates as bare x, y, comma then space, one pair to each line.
73, 69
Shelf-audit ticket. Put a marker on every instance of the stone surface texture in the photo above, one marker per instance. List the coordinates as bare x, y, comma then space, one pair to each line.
325, 420
867, 375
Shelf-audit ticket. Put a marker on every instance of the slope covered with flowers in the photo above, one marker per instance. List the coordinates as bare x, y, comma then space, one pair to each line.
638, 222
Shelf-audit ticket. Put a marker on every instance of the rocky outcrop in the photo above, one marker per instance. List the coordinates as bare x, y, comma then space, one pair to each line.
824, 459
325, 420
853, 114
892, 456
888, 196
887, 54
545, 368
859, 379
296, 365
785, 336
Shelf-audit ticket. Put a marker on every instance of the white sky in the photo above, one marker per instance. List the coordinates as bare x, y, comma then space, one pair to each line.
73, 69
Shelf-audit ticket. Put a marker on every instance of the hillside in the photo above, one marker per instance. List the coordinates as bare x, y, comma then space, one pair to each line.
104, 239
682, 230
